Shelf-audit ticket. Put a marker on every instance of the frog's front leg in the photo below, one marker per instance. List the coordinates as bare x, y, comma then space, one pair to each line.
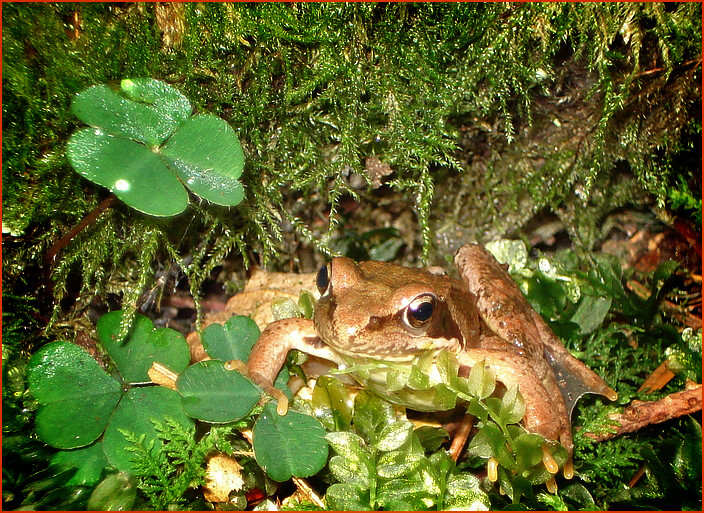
269, 353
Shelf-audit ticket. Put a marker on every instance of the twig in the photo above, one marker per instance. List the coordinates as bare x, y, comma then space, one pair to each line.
91, 217
696, 63
460, 439
640, 414
308, 492
658, 378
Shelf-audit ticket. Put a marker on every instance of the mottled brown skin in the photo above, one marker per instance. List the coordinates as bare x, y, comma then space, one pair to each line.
366, 310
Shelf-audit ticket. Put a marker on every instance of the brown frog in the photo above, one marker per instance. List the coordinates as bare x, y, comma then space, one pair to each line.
376, 311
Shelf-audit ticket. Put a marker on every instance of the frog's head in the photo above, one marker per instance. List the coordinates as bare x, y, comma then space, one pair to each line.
386, 311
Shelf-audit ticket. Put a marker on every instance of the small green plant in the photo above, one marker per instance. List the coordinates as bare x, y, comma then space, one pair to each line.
517, 459
681, 196
145, 146
382, 462
79, 401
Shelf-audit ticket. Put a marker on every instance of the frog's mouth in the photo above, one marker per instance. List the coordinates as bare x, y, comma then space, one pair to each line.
354, 357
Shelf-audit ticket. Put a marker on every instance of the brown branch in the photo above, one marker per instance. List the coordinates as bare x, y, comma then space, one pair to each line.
91, 217
696, 62
640, 414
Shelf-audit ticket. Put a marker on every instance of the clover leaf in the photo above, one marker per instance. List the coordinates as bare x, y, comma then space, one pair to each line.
211, 393
289, 445
145, 345
145, 147
76, 397
79, 401
231, 341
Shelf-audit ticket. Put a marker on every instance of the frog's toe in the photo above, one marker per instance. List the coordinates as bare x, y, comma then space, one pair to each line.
551, 485
282, 401
549, 462
568, 469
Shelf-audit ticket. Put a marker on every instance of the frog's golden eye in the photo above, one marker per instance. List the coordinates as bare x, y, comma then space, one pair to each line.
420, 310
323, 279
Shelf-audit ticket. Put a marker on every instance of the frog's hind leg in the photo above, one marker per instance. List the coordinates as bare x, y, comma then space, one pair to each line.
507, 313
574, 378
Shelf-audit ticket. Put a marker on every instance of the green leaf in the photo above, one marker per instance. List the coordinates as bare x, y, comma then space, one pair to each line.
88, 461
371, 414
348, 445
306, 303
76, 396
511, 252
464, 493
481, 381
431, 438
606, 277
448, 368
211, 393
590, 313
397, 463
136, 414
147, 110
144, 345
493, 404
554, 502
418, 380
353, 464
394, 436
122, 151
130, 170
478, 409
233, 340
347, 497
350, 471
414, 493
528, 449
117, 492
513, 406
444, 398
396, 380
332, 403
207, 156
289, 445
487, 442
578, 494
284, 308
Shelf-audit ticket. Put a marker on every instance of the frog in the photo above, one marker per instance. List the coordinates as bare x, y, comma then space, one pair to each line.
373, 311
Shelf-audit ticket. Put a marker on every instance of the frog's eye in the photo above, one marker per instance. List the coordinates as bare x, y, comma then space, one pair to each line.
420, 310
323, 280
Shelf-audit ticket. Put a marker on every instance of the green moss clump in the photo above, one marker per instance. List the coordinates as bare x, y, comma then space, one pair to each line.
481, 122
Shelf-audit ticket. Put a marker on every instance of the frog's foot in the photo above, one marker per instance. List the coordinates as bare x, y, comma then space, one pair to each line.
281, 399
492, 469
552, 467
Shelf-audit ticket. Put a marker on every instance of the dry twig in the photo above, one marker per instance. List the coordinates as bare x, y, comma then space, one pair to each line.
640, 414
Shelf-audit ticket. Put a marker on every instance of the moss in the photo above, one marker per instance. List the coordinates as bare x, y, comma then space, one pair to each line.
452, 97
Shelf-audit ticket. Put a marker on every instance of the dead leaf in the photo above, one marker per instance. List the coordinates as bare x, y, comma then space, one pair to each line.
222, 476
